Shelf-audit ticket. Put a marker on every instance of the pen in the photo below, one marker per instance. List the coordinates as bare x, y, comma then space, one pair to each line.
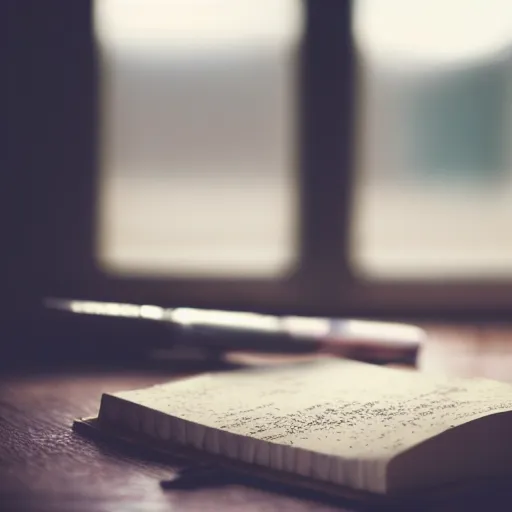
365, 340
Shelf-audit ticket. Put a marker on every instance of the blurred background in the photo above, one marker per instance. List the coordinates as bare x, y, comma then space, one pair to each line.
296, 157
199, 140
434, 181
198, 149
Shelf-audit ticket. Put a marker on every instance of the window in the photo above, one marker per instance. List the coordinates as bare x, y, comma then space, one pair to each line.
434, 180
345, 168
199, 109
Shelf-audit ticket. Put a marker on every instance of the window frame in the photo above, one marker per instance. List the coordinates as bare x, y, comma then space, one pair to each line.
54, 112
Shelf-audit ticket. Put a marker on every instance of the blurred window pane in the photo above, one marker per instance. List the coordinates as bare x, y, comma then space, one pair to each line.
434, 178
198, 136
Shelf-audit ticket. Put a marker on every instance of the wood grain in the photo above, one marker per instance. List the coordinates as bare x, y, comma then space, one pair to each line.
45, 466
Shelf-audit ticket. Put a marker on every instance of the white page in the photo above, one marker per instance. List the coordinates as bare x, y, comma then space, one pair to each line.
337, 407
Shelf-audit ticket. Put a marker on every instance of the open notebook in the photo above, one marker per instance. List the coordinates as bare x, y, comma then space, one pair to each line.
335, 421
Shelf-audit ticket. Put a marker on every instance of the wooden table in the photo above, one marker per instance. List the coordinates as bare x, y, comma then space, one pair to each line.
45, 466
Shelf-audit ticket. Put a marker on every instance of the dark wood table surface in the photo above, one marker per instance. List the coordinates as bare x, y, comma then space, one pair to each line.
45, 466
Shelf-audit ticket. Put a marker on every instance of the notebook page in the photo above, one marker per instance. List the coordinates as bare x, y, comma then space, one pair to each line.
335, 407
